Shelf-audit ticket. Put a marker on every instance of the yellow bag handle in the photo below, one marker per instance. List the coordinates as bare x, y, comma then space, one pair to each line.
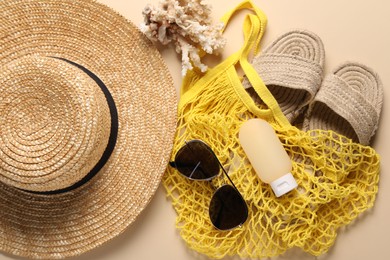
248, 4
212, 108
195, 77
253, 28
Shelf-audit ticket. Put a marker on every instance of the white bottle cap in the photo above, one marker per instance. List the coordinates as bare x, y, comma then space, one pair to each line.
284, 184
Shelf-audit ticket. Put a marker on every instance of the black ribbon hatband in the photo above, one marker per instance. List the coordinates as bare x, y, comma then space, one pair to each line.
111, 140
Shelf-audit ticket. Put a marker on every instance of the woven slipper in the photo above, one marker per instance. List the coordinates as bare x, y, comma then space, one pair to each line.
349, 102
291, 67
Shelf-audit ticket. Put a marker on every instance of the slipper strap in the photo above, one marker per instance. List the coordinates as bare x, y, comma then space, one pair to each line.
289, 71
350, 104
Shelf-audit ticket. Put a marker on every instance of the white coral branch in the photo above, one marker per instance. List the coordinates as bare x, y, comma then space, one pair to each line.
188, 25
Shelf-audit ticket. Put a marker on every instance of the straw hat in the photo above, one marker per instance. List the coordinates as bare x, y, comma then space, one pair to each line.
87, 118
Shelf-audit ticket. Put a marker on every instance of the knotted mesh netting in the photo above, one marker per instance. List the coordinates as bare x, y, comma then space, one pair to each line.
337, 179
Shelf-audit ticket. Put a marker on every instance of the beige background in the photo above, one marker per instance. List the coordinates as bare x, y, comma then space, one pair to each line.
351, 30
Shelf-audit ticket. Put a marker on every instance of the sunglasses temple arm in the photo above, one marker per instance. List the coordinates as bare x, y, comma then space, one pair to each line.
227, 175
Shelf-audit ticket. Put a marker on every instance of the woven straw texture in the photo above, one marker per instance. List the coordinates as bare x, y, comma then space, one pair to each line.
55, 123
41, 95
348, 102
291, 68
337, 178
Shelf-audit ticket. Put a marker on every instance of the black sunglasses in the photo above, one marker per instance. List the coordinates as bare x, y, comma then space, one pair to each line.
196, 161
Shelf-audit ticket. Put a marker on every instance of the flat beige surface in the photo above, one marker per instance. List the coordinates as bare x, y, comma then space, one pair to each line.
351, 30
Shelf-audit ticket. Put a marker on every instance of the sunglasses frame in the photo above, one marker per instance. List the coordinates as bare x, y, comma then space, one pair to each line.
173, 164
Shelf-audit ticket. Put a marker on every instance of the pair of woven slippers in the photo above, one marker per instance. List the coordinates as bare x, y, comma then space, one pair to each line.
348, 100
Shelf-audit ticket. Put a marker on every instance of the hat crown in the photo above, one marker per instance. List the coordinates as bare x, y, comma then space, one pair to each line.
54, 123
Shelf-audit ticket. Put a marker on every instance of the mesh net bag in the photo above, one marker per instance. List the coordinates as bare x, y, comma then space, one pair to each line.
337, 178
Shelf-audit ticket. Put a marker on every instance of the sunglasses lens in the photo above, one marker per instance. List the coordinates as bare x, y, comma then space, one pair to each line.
197, 161
227, 208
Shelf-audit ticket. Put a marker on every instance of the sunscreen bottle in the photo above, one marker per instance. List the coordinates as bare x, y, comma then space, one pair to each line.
267, 155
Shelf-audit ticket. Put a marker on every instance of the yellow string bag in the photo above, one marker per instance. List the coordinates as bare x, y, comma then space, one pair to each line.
337, 179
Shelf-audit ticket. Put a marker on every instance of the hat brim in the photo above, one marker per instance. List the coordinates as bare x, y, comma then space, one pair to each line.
96, 37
